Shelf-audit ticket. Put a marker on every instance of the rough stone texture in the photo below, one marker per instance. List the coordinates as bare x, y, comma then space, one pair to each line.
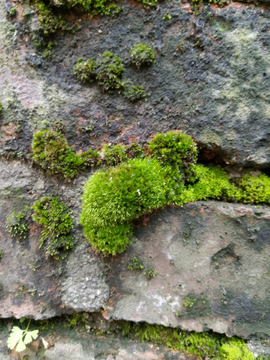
211, 256
211, 79
74, 345
212, 263
32, 285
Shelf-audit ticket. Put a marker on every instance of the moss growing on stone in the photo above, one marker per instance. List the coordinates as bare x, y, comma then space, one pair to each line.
114, 197
85, 71
134, 93
253, 189
107, 71
142, 54
114, 154
57, 223
52, 152
175, 149
235, 349
202, 345
1, 253
17, 225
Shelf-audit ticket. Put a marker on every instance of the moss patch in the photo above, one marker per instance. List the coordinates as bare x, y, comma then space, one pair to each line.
52, 152
114, 197
57, 224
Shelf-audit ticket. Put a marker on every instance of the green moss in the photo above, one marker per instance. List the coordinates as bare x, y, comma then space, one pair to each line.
203, 345
107, 71
174, 149
1, 253
253, 189
135, 264
52, 153
114, 197
17, 225
135, 93
142, 54
150, 273
188, 302
114, 154
235, 349
49, 22
57, 224
85, 71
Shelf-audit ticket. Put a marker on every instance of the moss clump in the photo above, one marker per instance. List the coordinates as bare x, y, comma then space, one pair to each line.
235, 349
1, 253
17, 225
107, 71
142, 54
114, 154
57, 223
114, 197
150, 273
49, 22
135, 264
174, 149
85, 70
253, 189
202, 345
135, 93
52, 152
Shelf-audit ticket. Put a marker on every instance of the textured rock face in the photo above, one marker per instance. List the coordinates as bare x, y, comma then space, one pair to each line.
212, 270
211, 80
31, 285
211, 260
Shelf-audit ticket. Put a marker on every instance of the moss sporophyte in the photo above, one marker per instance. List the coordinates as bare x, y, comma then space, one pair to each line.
115, 196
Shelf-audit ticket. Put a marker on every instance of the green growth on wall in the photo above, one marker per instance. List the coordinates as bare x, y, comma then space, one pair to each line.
203, 345
52, 152
17, 224
142, 54
116, 196
134, 93
114, 154
57, 223
107, 71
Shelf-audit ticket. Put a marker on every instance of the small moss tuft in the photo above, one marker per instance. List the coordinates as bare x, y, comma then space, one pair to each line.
135, 93
135, 264
142, 54
52, 153
17, 225
114, 154
107, 71
57, 224
85, 71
